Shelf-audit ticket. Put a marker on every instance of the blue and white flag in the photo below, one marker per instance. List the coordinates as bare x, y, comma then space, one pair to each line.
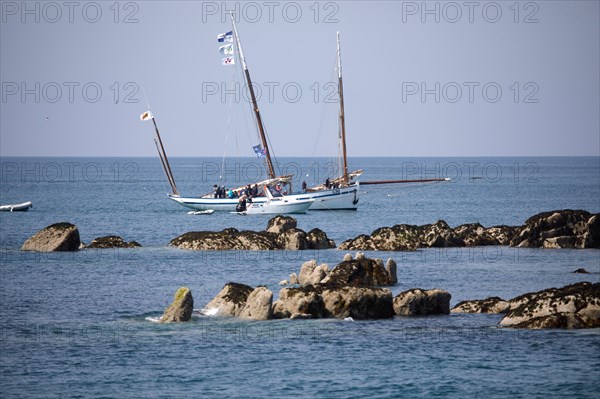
225, 37
228, 61
259, 151
226, 49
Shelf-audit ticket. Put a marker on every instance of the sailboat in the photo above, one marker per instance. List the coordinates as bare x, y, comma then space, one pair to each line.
341, 193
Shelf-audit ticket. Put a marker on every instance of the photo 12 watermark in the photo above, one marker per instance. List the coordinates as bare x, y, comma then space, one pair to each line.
470, 92
69, 12
271, 11
68, 171
69, 92
452, 12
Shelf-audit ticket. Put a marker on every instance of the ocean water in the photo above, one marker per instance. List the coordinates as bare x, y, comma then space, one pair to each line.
79, 324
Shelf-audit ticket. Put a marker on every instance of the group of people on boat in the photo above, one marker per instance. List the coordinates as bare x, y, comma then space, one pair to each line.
222, 192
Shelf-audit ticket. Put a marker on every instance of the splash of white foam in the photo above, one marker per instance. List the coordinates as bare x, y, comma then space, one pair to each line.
209, 311
152, 319
348, 319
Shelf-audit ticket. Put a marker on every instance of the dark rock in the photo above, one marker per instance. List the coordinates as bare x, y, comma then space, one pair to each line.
292, 239
111, 242
181, 308
358, 302
317, 239
475, 234
299, 301
489, 305
502, 234
572, 306
582, 271
56, 237
279, 224
361, 272
230, 301
418, 302
559, 229
281, 236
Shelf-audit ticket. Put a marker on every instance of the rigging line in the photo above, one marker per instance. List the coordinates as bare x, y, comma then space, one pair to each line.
227, 131
325, 110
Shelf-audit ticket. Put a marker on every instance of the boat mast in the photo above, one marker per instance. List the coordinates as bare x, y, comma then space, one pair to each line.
342, 118
164, 160
261, 129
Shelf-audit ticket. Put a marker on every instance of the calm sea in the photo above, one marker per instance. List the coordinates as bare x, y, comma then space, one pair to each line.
78, 324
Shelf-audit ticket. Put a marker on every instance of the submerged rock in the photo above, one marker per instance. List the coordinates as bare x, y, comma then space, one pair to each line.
56, 237
181, 308
111, 242
572, 306
489, 305
418, 302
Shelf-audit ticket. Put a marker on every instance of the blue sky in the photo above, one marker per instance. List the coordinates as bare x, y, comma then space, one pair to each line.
420, 79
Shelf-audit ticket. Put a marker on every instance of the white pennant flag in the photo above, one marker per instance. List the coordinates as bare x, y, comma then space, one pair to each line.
146, 116
226, 49
228, 61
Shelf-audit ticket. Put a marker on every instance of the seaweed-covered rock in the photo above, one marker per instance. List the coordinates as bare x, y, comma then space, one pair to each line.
292, 239
258, 304
362, 272
358, 302
279, 224
317, 239
56, 237
488, 305
230, 301
299, 301
281, 234
559, 229
418, 302
181, 308
572, 306
475, 234
111, 242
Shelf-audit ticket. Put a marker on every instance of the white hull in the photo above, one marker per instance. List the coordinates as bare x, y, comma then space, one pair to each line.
333, 199
16, 207
278, 206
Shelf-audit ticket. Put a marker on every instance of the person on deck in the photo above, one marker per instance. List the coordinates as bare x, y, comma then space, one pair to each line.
304, 186
327, 183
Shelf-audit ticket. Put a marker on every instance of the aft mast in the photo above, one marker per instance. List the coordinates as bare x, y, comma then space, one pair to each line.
342, 117
259, 122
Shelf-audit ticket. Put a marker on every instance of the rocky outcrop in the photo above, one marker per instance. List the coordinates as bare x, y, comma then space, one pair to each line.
573, 306
559, 229
311, 273
489, 305
403, 237
363, 272
279, 224
301, 302
258, 305
281, 233
181, 308
556, 229
359, 272
56, 237
317, 239
111, 242
230, 301
323, 300
358, 302
418, 302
